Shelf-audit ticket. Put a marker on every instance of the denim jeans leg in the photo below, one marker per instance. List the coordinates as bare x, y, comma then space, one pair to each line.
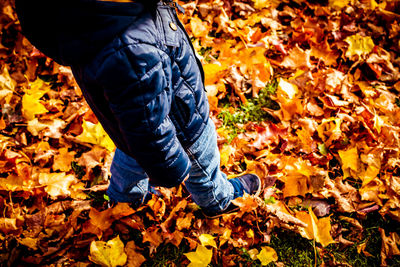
129, 182
207, 184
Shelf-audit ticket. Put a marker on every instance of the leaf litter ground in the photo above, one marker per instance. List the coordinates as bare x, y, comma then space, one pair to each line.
305, 94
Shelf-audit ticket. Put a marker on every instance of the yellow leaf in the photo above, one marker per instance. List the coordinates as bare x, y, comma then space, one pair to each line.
250, 233
318, 229
226, 152
324, 226
378, 123
110, 254
290, 89
305, 138
370, 173
63, 160
329, 130
296, 185
29, 242
57, 184
95, 134
349, 159
267, 255
7, 86
253, 253
200, 258
225, 236
31, 106
199, 28
213, 73
207, 240
259, 4
38, 87
338, 4
30, 101
77, 191
359, 45
13, 183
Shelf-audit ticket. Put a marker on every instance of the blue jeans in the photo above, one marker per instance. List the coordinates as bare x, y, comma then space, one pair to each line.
207, 184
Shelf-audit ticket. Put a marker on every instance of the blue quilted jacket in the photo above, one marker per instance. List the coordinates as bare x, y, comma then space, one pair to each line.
137, 70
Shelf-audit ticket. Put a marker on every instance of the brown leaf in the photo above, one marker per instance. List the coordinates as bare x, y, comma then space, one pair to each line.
104, 219
297, 58
185, 222
389, 245
92, 158
8, 225
152, 235
135, 258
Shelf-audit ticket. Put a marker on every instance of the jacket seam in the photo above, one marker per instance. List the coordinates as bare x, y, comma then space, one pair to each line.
125, 45
189, 86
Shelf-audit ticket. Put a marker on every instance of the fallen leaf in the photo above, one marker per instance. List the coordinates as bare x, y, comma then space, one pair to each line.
267, 255
199, 28
297, 58
246, 203
63, 160
153, 236
207, 240
253, 253
95, 134
362, 248
104, 219
225, 236
318, 229
134, 257
288, 88
185, 222
389, 245
108, 254
349, 159
57, 184
29, 242
50, 128
338, 4
199, 258
359, 45
31, 105
7, 86
8, 225
296, 185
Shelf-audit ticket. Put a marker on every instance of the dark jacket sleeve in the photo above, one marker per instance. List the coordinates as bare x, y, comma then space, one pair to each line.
136, 80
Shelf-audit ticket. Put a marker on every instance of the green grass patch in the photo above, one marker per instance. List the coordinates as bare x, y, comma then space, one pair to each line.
254, 110
167, 255
370, 235
292, 249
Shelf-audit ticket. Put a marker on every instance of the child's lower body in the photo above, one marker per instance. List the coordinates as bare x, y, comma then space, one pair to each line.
207, 184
